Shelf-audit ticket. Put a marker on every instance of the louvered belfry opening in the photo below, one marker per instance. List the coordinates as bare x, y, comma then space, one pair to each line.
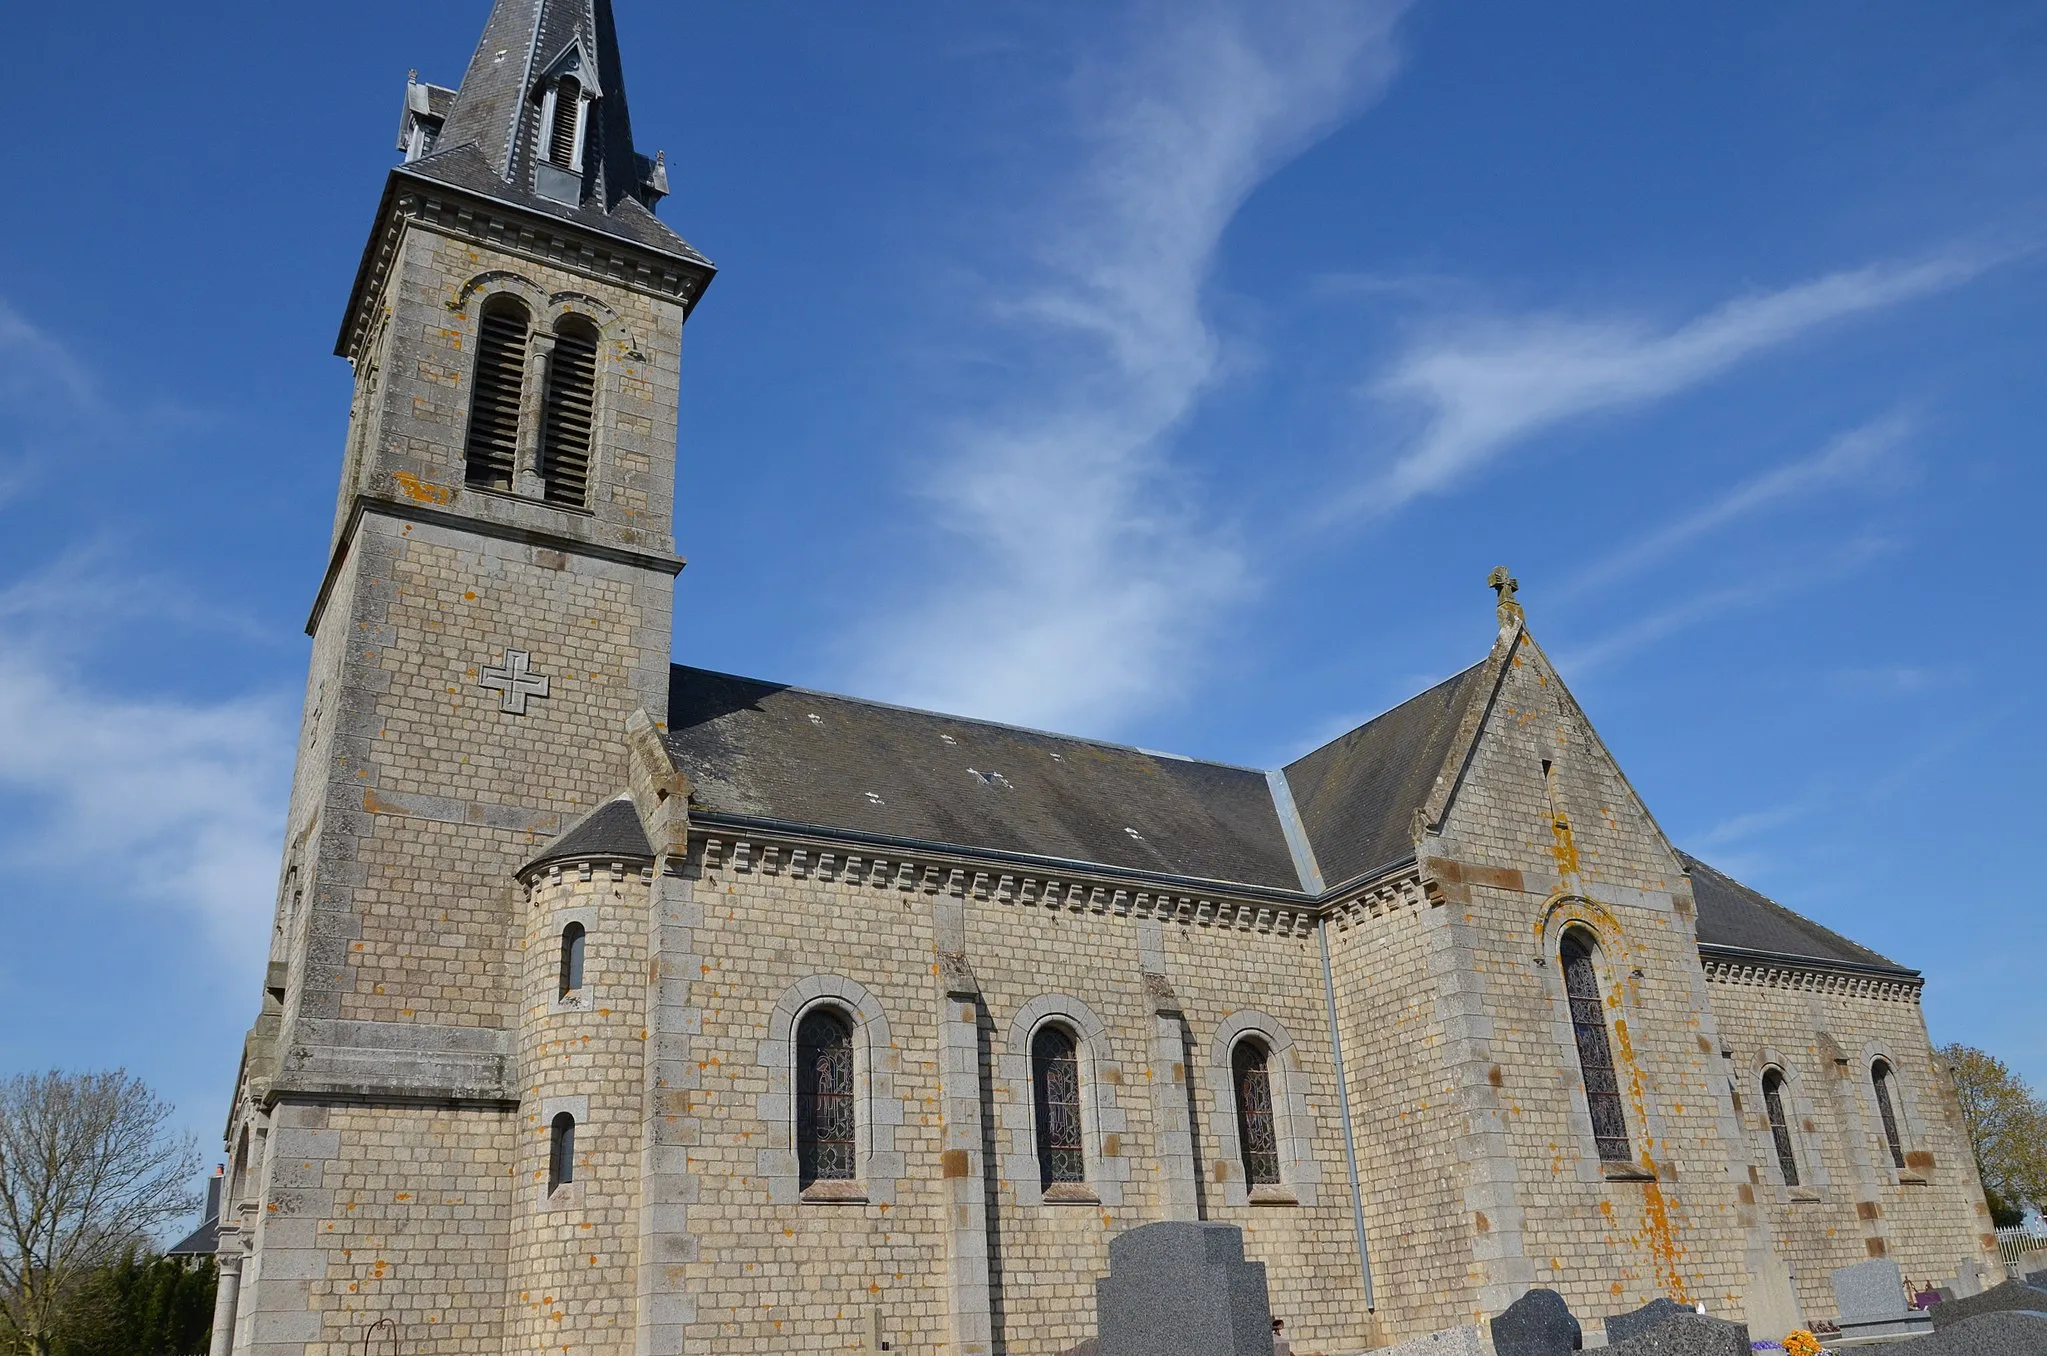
570, 414
500, 379
561, 137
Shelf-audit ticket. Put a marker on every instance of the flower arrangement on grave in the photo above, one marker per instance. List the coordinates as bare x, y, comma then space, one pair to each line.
1803, 1343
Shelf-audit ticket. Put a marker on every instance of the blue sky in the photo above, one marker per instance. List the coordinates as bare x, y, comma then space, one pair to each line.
1171, 373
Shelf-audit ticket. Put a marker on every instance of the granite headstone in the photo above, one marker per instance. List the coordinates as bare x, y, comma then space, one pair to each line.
2011, 1333
1180, 1288
1468, 1340
1686, 1333
2010, 1295
1537, 1324
1621, 1327
1871, 1297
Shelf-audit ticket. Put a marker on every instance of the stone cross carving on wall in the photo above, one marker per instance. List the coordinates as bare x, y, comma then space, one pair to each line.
514, 681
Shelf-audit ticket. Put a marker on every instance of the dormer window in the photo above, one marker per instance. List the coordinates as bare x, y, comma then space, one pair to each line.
565, 124
566, 94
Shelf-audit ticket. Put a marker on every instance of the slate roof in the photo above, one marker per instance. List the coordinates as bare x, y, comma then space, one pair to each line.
489, 138
1731, 914
464, 166
760, 751
612, 831
1358, 793
203, 1241
765, 751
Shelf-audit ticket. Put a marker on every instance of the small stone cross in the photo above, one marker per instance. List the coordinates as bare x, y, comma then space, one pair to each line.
514, 681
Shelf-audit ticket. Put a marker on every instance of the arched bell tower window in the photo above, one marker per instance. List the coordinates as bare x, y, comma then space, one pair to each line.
1595, 1049
827, 1147
1780, 1127
1055, 1088
573, 937
1883, 1080
569, 413
496, 389
1257, 1126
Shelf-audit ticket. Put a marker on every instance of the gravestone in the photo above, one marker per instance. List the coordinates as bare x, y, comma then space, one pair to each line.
1871, 1297
1468, 1340
1621, 1327
1685, 1333
2011, 1333
1537, 1324
2010, 1295
1181, 1288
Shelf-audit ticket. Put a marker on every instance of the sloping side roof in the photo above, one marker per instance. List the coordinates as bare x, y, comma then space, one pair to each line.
772, 752
463, 166
1358, 793
611, 830
1731, 914
203, 1241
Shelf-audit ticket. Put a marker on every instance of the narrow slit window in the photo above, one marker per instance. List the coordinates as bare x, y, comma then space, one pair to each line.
561, 132
1595, 1051
570, 414
1780, 1128
572, 959
825, 1126
1257, 1127
561, 1151
1881, 1077
1055, 1087
495, 393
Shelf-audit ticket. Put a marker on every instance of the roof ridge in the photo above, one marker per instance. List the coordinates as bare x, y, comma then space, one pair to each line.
976, 720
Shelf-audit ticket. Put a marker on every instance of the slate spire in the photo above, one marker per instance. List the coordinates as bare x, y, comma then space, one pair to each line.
544, 105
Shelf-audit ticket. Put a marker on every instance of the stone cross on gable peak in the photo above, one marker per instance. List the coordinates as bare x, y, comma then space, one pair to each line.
1503, 582
514, 681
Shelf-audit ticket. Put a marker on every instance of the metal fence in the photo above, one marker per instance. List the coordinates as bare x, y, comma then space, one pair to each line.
2024, 1252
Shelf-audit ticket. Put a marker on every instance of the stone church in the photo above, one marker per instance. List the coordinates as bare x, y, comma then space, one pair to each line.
620, 1006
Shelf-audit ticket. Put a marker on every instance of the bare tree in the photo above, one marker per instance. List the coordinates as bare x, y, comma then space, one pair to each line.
2007, 1128
88, 1166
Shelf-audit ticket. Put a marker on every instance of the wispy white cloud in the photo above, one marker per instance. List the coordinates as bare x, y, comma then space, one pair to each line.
1078, 571
1482, 387
1688, 612
1854, 459
34, 362
1741, 827
155, 802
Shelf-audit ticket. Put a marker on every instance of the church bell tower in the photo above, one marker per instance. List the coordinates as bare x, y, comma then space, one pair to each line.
496, 605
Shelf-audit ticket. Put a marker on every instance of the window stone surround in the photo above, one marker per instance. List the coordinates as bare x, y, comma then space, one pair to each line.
878, 1110
1102, 1119
1300, 1176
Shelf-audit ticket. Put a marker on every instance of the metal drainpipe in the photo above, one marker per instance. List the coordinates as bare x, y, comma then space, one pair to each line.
1350, 1147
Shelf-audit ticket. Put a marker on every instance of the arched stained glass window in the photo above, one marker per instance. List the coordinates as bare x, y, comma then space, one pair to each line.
1257, 1127
1055, 1087
1881, 1077
561, 1151
1780, 1128
572, 959
825, 1118
1595, 1052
